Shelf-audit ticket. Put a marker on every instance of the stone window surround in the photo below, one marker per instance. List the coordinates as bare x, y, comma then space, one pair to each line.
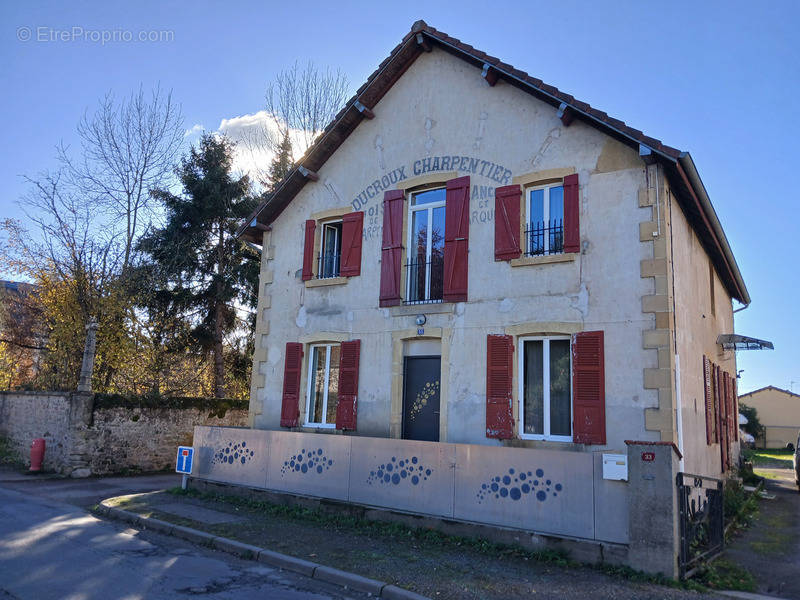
320, 218
527, 181
537, 329
309, 340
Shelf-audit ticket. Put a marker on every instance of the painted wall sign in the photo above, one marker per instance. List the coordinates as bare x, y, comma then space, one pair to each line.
369, 198
648, 456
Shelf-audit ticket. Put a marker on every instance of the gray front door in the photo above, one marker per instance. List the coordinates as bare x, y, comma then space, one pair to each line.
421, 398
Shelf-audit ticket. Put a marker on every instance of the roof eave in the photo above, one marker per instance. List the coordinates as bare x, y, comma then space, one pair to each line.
690, 170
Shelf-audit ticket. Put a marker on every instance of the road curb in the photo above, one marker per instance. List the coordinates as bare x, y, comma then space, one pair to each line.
345, 579
392, 592
350, 580
290, 563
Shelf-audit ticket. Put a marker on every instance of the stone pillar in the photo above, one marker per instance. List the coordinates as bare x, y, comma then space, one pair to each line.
81, 409
653, 507
87, 366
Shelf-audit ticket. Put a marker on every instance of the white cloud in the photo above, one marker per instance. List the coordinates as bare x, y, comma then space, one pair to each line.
255, 134
195, 130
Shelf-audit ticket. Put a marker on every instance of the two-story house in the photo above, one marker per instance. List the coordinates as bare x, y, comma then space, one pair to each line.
475, 281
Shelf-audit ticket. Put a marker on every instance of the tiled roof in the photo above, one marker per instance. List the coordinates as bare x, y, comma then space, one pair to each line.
693, 197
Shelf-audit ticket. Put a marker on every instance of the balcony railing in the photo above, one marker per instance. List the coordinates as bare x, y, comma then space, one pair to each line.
544, 238
328, 266
425, 281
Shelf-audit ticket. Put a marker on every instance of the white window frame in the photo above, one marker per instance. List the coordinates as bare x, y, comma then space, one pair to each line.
311, 380
429, 206
337, 241
545, 389
545, 212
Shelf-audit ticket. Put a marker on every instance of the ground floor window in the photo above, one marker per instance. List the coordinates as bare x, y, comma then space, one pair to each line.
323, 385
545, 389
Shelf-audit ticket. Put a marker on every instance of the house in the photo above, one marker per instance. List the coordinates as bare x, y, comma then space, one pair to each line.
778, 412
484, 300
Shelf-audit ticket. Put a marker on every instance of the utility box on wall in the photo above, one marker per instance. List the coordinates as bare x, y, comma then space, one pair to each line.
615, 466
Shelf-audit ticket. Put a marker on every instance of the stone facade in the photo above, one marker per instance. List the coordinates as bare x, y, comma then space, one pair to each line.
83, 440
641, 290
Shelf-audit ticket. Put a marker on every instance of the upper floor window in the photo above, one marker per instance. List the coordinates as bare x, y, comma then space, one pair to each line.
544, 230
330, 250
426, 231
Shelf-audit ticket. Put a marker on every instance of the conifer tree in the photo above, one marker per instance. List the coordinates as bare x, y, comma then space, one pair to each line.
196, 253
282, 163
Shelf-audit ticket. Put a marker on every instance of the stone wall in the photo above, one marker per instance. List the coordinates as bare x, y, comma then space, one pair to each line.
86, 437
25, 416
147, 439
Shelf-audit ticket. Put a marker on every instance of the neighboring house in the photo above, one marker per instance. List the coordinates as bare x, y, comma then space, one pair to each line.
470, 257
779, 414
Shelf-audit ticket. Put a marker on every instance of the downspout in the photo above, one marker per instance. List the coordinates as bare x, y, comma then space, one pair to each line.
679, 413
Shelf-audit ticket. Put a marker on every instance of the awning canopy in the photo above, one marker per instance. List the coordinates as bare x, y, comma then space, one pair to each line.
732, 341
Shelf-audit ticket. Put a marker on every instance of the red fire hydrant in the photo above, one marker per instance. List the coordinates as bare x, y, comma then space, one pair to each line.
37, 454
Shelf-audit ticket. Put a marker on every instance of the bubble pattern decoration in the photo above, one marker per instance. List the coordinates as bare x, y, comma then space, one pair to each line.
516, 484
307, 461
397, 471
237, 453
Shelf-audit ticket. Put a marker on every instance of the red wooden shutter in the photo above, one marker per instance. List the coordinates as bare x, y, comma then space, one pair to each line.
507, 202
352, 230
499, 374
589, 387
392, 248
718, 403
456, 240
709, 400
308, 250
348, 385
722, 418
290, 407
572, 214
735, 397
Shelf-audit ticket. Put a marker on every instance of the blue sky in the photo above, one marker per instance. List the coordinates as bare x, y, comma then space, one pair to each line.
719, 79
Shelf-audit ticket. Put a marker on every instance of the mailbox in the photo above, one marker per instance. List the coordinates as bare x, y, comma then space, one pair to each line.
615, 466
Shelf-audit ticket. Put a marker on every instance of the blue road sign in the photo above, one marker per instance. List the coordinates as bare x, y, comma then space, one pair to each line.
184, 463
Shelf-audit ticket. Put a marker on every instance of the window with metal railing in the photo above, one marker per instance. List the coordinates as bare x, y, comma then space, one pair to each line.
331, 250
544, 232
544, 238
425, 281
425, 266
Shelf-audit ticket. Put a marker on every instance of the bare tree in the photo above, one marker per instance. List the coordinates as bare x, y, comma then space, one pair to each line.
305, 100
300, 102
128, 148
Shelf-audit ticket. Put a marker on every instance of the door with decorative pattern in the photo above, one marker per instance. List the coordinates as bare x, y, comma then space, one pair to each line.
421, 388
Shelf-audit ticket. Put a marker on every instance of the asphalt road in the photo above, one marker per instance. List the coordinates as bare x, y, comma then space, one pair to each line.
51, 548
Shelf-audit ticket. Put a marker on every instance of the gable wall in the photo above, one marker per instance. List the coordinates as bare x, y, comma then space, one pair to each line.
697, 329
778, 412
442, 107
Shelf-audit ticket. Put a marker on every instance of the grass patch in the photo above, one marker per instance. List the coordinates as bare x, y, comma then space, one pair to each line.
725, 575
740, 506
774, 458
769, 475
777, 537
429, 542
9, 457
428, 537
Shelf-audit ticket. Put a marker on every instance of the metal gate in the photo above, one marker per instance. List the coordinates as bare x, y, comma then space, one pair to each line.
701, 516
